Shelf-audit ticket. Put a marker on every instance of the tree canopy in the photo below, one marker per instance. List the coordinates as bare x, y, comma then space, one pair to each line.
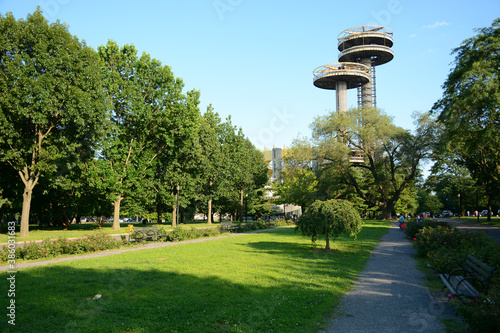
387, 157
52, 103
470, 107
101, 129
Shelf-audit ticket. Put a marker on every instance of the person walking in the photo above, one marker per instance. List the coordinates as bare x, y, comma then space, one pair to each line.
401, 222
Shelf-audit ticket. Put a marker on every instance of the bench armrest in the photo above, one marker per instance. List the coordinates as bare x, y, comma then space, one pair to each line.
451, 263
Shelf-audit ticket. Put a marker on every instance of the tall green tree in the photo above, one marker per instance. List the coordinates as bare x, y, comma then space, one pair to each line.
147, 106
180, 166
51, 99
390, 155
249, 168
299, 181
213, 164
470, 106
240, 170
451, 179
298, 186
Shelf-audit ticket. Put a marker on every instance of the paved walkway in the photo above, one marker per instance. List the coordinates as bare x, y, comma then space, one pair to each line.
389, 295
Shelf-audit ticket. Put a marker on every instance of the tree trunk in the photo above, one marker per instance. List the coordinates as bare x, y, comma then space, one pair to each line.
174, 212
174, 216
116, 215
25, 217
387, 209
488, 218
327, 247
209, 216
241, 206
29, 183
159, 212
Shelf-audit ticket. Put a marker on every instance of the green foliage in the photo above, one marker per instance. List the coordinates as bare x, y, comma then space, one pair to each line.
52, 248
52, 102
391, 154
483, 314
431, 239
251, 226
299, 187
469, 106
281, 222
183, 234
89, 128
330, 218
413, 227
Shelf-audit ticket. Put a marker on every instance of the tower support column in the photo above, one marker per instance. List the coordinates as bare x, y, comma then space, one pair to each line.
341, 88
366, 88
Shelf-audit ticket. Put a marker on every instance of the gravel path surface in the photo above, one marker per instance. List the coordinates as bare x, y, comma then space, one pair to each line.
389, 295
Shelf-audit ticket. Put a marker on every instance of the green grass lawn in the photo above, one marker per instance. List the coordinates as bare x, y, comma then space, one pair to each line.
80, 230
495, 220
276, 281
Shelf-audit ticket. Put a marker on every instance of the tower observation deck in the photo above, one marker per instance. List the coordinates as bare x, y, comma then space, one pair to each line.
361, 49
340, 77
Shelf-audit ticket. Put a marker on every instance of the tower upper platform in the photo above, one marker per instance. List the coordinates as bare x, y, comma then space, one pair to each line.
367, 41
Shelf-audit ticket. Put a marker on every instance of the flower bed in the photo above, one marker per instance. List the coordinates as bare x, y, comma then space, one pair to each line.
440, 243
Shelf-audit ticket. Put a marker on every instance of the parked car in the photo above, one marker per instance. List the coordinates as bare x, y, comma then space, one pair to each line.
447, 213
484, 213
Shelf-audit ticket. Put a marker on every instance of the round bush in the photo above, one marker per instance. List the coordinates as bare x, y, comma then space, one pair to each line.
330, 219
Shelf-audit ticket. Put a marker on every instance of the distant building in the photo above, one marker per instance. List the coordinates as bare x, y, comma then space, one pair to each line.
274, 160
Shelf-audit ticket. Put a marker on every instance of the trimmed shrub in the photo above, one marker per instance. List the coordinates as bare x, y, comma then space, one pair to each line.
52, 248
413, 227
483, 314
182, 234
442, 244
431, 239
330, 219
281, 222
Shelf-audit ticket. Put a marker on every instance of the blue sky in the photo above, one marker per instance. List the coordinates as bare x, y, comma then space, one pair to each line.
253, 60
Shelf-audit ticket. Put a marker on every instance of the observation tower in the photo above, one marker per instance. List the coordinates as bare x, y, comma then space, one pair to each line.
361, 50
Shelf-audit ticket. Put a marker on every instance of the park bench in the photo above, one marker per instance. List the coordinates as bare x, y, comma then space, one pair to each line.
465, 279
227, 226
147, 233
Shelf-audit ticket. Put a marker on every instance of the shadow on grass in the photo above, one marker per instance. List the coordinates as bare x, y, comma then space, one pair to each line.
285, 294
135, 300
271, 284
